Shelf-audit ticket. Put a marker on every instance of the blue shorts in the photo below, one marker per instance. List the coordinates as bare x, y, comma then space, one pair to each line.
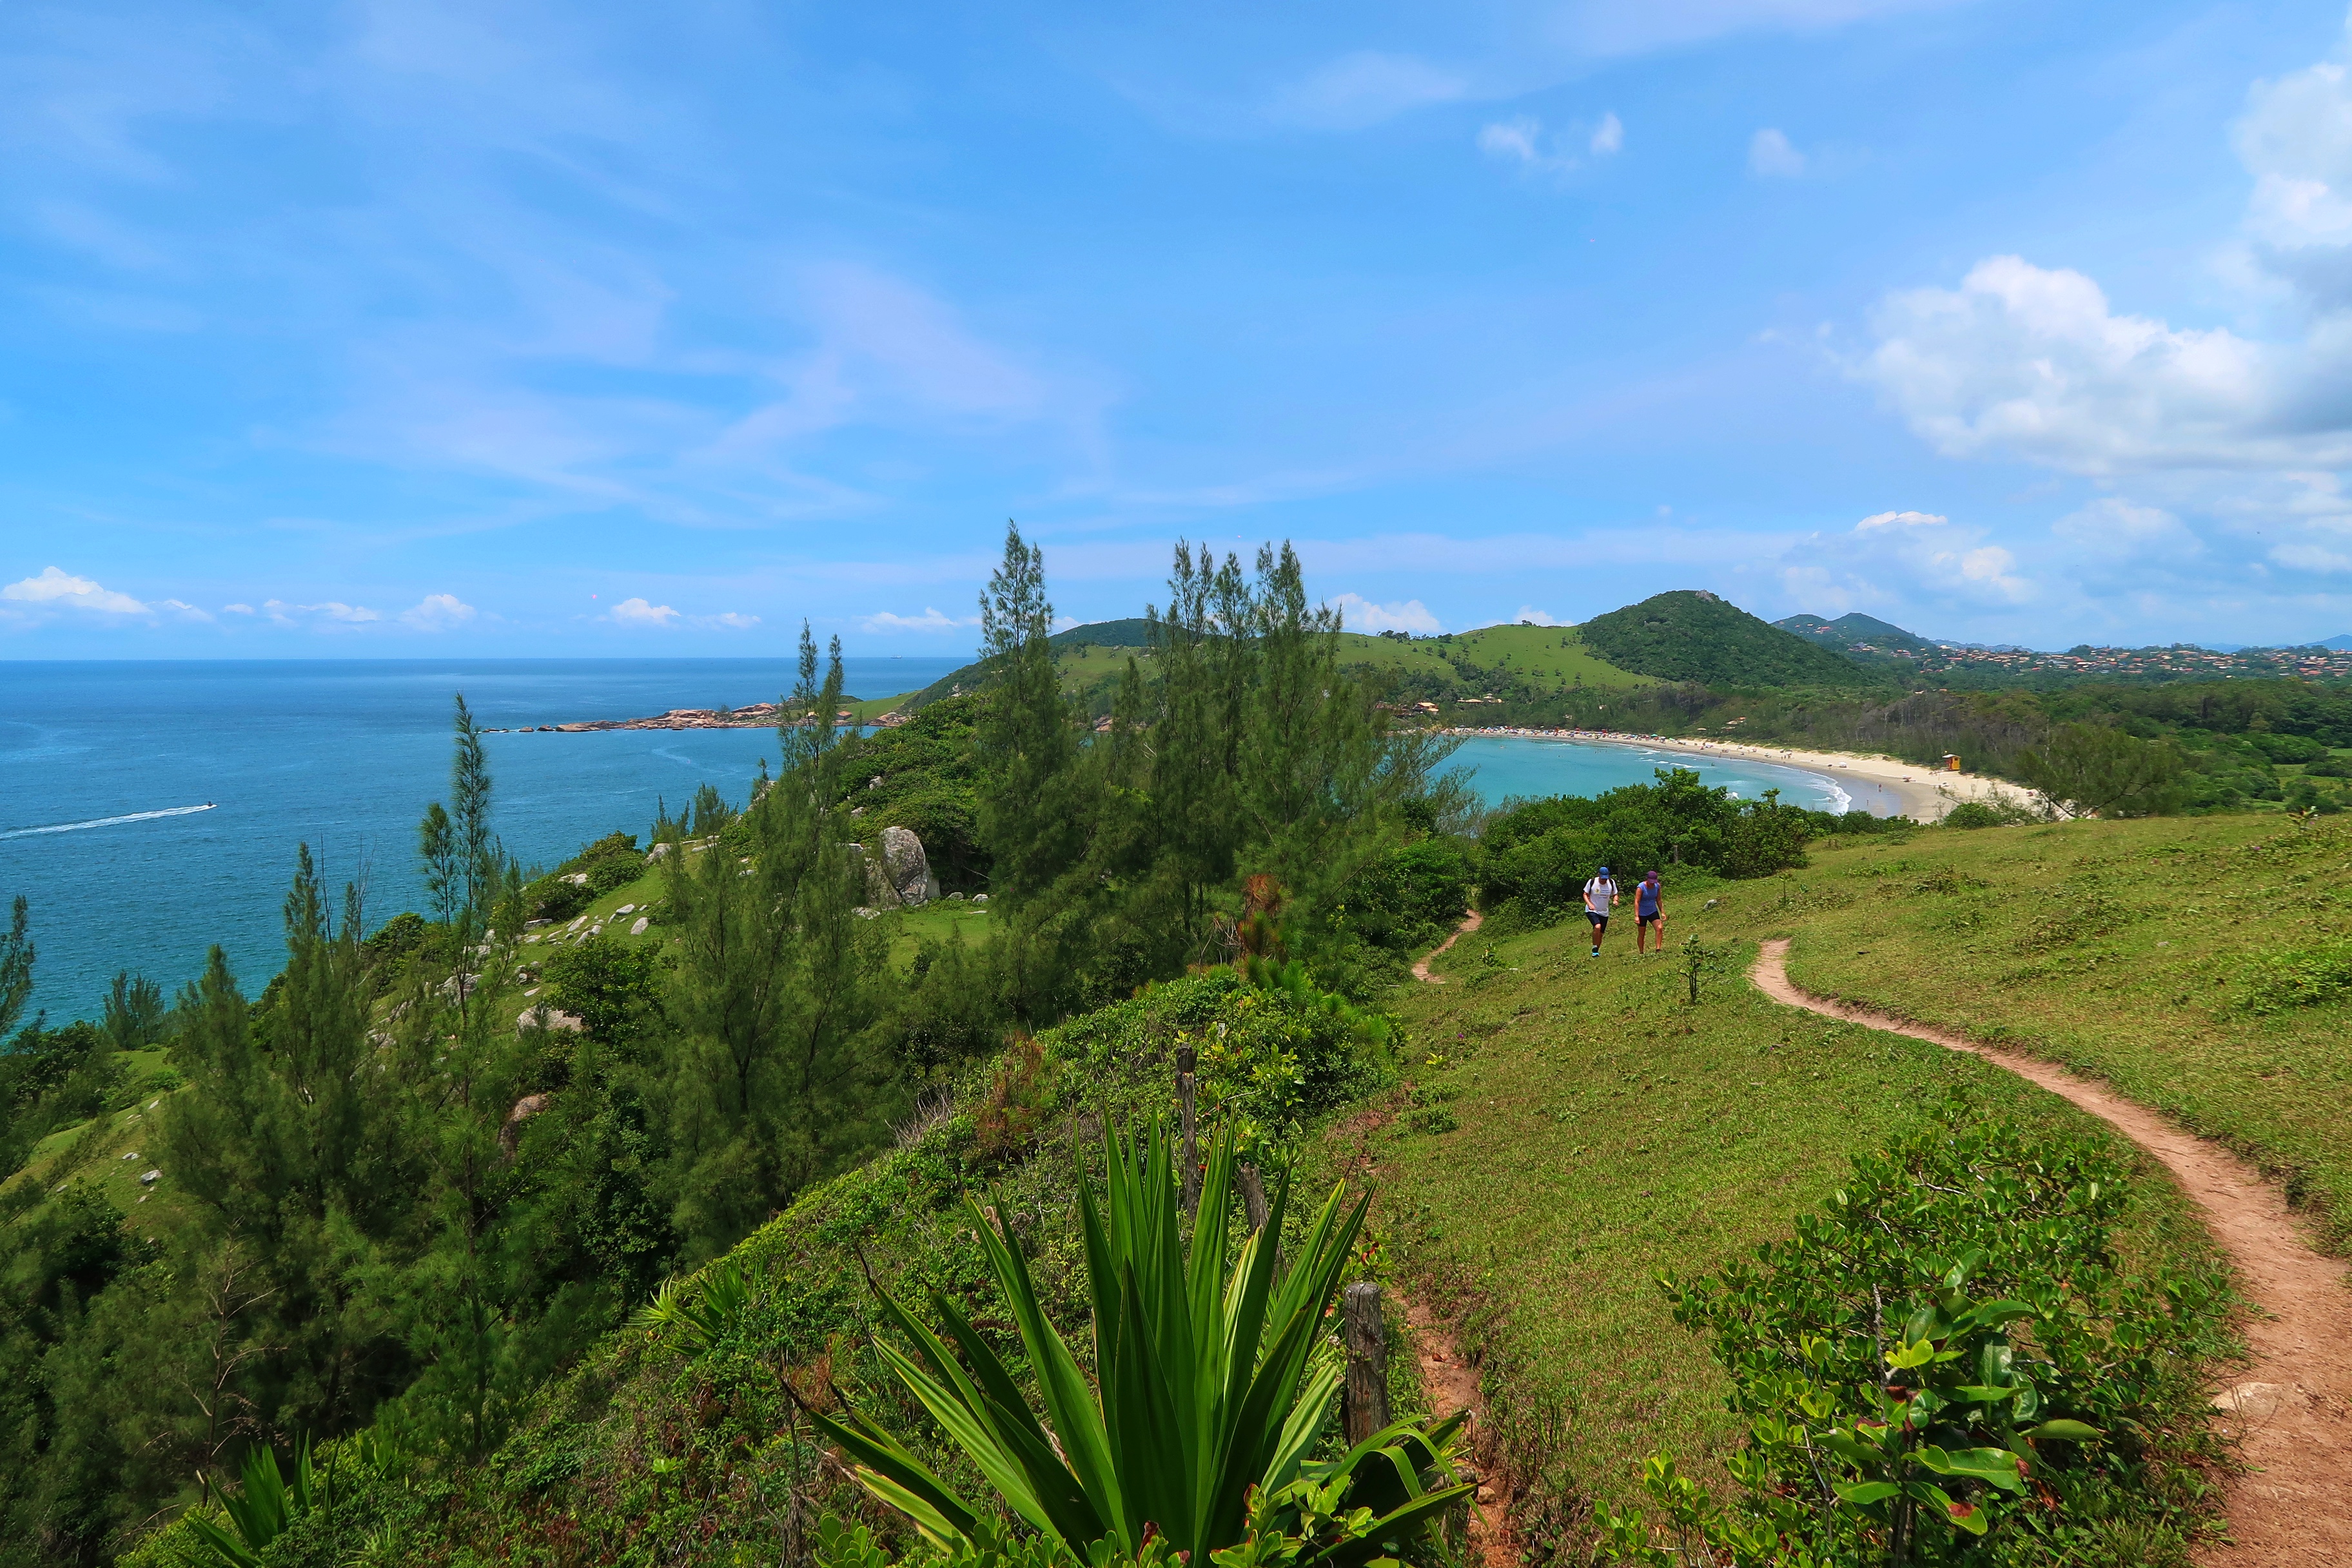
1599, 921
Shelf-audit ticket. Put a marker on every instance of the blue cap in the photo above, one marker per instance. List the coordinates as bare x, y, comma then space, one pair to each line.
1604, 870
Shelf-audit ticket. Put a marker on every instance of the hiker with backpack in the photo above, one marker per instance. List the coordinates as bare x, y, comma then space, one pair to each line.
1600, 898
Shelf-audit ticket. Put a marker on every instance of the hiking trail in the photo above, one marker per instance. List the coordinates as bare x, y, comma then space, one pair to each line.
1470, 922
2292, 1410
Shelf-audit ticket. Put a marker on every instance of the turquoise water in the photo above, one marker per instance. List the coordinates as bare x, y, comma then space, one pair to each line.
148, 810
105, 769
1504, 766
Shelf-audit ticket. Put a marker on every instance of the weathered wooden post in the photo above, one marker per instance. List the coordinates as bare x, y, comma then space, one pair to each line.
1191, 1146
1253, 1197
1367, 1360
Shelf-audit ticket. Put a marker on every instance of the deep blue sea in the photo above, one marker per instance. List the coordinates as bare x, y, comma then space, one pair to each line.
105, 767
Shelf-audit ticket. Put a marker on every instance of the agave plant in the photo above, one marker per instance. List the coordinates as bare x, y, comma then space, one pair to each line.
701, 1321
263, 1508
1216, 1378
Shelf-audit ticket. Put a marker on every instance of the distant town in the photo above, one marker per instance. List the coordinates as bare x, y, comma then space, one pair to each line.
2179, 659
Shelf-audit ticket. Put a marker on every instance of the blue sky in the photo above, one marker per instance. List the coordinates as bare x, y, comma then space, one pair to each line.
362, 329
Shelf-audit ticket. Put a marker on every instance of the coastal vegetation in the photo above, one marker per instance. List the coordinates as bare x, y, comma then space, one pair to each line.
693, 1191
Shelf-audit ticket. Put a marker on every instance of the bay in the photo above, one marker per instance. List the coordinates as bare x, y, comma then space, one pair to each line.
107, 768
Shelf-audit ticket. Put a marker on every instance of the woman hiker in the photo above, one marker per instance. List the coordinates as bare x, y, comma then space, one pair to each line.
1648, 913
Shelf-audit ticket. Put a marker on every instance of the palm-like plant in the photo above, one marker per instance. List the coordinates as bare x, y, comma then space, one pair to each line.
1215, 1379
267, 1504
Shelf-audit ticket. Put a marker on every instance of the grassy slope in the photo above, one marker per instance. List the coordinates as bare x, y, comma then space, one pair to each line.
1545, 656
2051, 938
1608, 1129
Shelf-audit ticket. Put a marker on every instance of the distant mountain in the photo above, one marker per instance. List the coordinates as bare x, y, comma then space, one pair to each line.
1688, 636
2341, 644
1849, 629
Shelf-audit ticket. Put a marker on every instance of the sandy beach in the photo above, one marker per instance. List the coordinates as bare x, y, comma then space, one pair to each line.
1924, 794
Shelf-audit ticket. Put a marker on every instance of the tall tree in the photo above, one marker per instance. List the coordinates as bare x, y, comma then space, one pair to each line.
16, 967
776, 1073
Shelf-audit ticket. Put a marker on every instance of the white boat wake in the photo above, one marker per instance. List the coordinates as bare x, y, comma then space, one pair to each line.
107, 821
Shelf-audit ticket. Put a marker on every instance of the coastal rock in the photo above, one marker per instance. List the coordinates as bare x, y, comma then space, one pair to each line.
908, 869
639, 928
149, 1180
543, 1016
879, 893
528, 1105
658, 852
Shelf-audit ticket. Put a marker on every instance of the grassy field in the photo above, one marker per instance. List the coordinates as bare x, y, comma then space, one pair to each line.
1577, 1126
2126, 951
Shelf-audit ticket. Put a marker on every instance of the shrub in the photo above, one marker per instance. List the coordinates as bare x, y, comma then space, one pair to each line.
1947, 1366
2305, 977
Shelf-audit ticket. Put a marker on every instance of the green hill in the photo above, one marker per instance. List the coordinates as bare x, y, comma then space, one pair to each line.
1694, 635
1840, 636
1503, 661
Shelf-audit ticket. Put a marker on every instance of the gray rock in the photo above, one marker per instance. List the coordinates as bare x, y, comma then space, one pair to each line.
543, 1016
879, 893
658, 851
908, 869
149, 1180
639, 928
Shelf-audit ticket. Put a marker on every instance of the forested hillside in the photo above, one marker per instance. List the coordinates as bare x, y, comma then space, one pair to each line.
1696, 637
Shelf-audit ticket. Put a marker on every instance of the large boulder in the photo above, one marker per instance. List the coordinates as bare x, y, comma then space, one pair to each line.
879, 893
908, 869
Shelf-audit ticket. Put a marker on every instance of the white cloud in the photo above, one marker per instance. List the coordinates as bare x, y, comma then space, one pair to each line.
439, 613
1522, 141
1512, 139
1770, 153
731, 620
2030, 361
1365, 88
1528, 612
1902, 558
930, 620
237, 609
1359, 614
330, 612
638, 613
56, 589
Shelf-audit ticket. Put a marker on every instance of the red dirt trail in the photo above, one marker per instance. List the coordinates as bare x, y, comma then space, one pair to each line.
1470, 922
2292, 1412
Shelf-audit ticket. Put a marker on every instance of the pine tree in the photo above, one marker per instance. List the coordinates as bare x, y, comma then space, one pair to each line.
775, 1075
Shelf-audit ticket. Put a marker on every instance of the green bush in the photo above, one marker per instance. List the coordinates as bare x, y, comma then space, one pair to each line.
2303, 977
1538, 854
1403, 897
1948, 1366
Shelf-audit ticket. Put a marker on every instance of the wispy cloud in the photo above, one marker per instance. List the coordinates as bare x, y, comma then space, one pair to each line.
930, 620
1772, 155
1523, 141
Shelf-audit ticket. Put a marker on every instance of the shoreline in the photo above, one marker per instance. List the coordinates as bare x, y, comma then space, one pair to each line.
1924, 793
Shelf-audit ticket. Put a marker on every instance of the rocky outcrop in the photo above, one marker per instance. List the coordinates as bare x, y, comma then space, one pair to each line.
907, 868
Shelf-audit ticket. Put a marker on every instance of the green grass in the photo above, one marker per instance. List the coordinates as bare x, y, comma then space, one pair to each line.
1603, 1129
2123, 950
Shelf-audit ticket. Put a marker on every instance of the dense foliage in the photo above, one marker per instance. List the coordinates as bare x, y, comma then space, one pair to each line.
686, 1427
1687, 636
1535, 857
1947, 1366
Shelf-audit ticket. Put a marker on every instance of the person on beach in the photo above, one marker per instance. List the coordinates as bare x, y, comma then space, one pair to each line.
1600, 898
1648, 913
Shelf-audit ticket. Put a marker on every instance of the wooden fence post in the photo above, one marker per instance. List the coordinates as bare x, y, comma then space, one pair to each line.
1367, 1360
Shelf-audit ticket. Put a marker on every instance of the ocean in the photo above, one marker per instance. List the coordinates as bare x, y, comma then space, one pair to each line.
151, 809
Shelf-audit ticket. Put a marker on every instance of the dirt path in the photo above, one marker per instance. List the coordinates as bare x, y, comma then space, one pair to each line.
1470, 922
1451, 1384
2293, 1413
